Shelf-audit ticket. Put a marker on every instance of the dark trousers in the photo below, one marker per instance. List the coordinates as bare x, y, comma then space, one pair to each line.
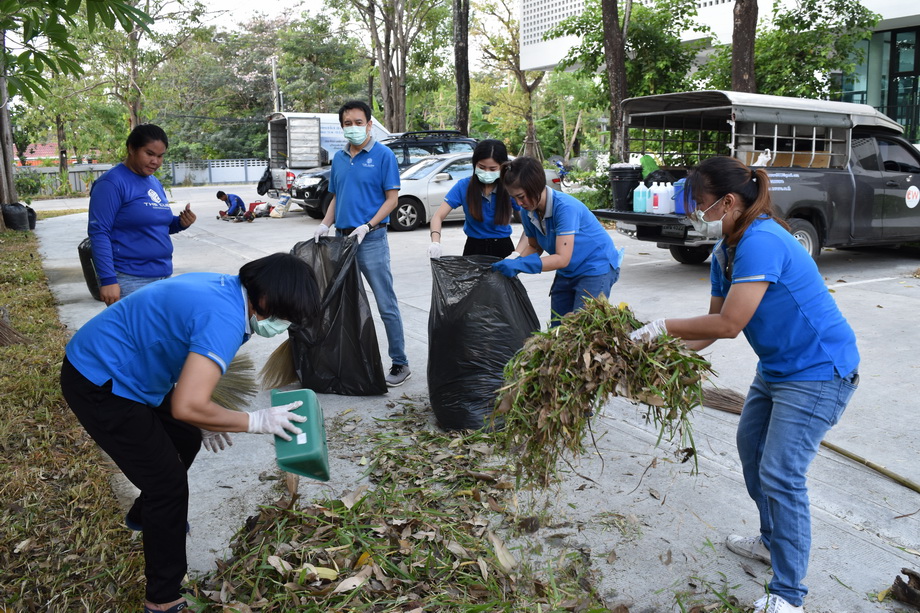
498, 247
154, 451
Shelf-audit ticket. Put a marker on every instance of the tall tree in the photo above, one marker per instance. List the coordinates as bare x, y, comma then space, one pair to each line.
800, 48
615, 63
36, 43
462, 63
394, 26
501, 50
744, 32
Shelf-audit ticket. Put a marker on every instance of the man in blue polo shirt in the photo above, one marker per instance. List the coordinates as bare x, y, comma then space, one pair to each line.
365, 185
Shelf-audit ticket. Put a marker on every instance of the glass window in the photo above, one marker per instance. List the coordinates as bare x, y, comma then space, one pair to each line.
460, 147
460, 169
420, 169
905, 48
865, 153
897, 158
417, 152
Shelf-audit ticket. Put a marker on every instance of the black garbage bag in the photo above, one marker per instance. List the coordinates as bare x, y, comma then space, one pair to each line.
339, 353
85, 252
265, 183
479, 319
16, 217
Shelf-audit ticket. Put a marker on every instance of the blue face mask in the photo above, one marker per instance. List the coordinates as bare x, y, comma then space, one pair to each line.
355, 135
268, 327
487, 177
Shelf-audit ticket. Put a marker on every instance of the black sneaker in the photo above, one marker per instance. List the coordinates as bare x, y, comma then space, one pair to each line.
398, 375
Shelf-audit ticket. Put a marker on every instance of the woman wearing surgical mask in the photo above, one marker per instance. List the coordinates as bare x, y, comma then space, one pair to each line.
767, 286
139, 377
485, 203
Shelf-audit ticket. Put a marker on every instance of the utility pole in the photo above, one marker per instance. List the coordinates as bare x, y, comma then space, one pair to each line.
276, 92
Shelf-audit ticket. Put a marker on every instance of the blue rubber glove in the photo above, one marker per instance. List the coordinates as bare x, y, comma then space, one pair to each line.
510, 268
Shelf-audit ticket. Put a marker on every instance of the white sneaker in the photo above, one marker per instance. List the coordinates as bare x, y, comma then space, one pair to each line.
748, 546
775, 604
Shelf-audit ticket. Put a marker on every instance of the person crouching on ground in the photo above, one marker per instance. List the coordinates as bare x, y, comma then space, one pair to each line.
767, 286
235, 205
139, 377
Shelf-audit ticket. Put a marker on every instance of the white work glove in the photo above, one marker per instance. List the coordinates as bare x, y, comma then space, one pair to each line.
434, 250
276, 420
513, 255
649, 331
215, 441
360, 232
321, 230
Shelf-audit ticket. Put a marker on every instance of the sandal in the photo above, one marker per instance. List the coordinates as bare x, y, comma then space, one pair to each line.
173, 609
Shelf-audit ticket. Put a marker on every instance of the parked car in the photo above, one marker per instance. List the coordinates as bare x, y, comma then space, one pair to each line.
425, 185
410, 147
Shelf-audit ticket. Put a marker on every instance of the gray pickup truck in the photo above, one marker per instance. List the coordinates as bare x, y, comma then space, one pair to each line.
841, 174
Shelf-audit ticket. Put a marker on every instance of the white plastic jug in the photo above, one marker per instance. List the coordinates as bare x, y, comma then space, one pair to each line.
657, 197
668, 205
640, 198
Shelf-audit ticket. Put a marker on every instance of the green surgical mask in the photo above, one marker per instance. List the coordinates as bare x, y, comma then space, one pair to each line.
355, 135
487, 177
268, 327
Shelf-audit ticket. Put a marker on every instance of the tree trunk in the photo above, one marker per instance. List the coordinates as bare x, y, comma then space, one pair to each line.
615, 60
462, 64
62, 144
571, 143
8, 193
743, 35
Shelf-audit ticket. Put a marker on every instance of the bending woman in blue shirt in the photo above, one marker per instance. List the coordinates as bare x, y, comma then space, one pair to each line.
139, 376
130, 219
767, 286
578, 248
485, 203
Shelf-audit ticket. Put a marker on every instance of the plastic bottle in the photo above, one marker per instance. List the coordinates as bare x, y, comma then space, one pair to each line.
640, 198
656, 196
668, 198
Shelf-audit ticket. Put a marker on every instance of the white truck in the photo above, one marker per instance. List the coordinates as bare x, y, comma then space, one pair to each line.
301, 141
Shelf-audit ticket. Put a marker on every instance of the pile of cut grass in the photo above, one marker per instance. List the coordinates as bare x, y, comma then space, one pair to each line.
563, 376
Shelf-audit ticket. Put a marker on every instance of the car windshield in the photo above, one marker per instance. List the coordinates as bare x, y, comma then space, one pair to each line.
420, 169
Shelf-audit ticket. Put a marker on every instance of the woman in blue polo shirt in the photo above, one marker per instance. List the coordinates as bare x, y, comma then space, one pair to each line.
577, 246
485, 203
767, 286
139, 377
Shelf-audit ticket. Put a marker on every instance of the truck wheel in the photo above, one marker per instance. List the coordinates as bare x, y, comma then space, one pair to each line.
807, 236
690, 255
407, 216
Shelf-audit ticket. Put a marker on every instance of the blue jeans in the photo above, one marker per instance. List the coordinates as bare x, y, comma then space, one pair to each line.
779, 434
568, 293
128, 284
374, 262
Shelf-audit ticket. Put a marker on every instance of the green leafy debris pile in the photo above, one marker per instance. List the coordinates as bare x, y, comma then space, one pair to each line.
424, 537
563, 376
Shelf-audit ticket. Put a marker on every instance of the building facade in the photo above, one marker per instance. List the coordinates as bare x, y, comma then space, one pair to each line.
888, 79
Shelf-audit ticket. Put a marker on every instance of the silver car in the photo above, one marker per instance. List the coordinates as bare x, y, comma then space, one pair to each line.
425, 185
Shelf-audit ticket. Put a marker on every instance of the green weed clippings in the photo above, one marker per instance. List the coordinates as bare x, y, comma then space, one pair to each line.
564, 376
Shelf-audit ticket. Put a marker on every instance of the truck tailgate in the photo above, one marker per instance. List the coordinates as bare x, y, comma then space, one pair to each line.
666, 229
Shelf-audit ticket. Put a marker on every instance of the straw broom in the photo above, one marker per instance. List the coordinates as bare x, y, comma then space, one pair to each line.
237, 386
731, 401
8, 334
279, 368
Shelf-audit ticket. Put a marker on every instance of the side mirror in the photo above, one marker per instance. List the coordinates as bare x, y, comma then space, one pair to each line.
442, 176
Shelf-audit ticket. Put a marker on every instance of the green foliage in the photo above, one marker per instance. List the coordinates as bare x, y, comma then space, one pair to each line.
28, 184
40, 33
805, 43
657, 61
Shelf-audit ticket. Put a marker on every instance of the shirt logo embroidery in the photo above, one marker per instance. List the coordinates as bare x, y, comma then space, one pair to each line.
368, 162
153, 195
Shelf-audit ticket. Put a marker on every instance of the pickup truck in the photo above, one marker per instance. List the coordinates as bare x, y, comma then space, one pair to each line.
841, 174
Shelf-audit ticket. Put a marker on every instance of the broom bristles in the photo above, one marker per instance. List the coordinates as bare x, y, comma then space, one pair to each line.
279, 368
9, 336
723, 399
237, 386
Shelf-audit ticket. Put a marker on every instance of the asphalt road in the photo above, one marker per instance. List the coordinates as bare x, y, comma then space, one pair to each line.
866, 527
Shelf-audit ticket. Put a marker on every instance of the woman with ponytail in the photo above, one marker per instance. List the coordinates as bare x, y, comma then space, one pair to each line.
485, 203
767, 286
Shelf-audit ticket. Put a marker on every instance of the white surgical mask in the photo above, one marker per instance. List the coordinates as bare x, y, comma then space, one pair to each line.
709, 229
355, 135
268, 327
487, 177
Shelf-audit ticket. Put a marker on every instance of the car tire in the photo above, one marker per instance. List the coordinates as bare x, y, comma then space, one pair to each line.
407, 216
806, 235
690, 255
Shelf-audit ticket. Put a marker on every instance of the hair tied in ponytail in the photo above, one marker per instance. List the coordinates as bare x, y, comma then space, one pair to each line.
753, 175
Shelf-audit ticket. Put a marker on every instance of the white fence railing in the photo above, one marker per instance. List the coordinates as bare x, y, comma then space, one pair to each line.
200, 172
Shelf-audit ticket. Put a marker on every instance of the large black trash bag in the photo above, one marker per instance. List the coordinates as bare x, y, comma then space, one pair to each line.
479, 319
85, 252
339, 354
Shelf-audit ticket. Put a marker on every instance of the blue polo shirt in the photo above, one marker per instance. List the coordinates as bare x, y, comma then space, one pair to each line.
360, 183
797, 331
593, 253
141, 342
486, 228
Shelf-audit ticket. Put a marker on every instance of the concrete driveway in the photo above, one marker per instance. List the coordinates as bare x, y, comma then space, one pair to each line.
866, 527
